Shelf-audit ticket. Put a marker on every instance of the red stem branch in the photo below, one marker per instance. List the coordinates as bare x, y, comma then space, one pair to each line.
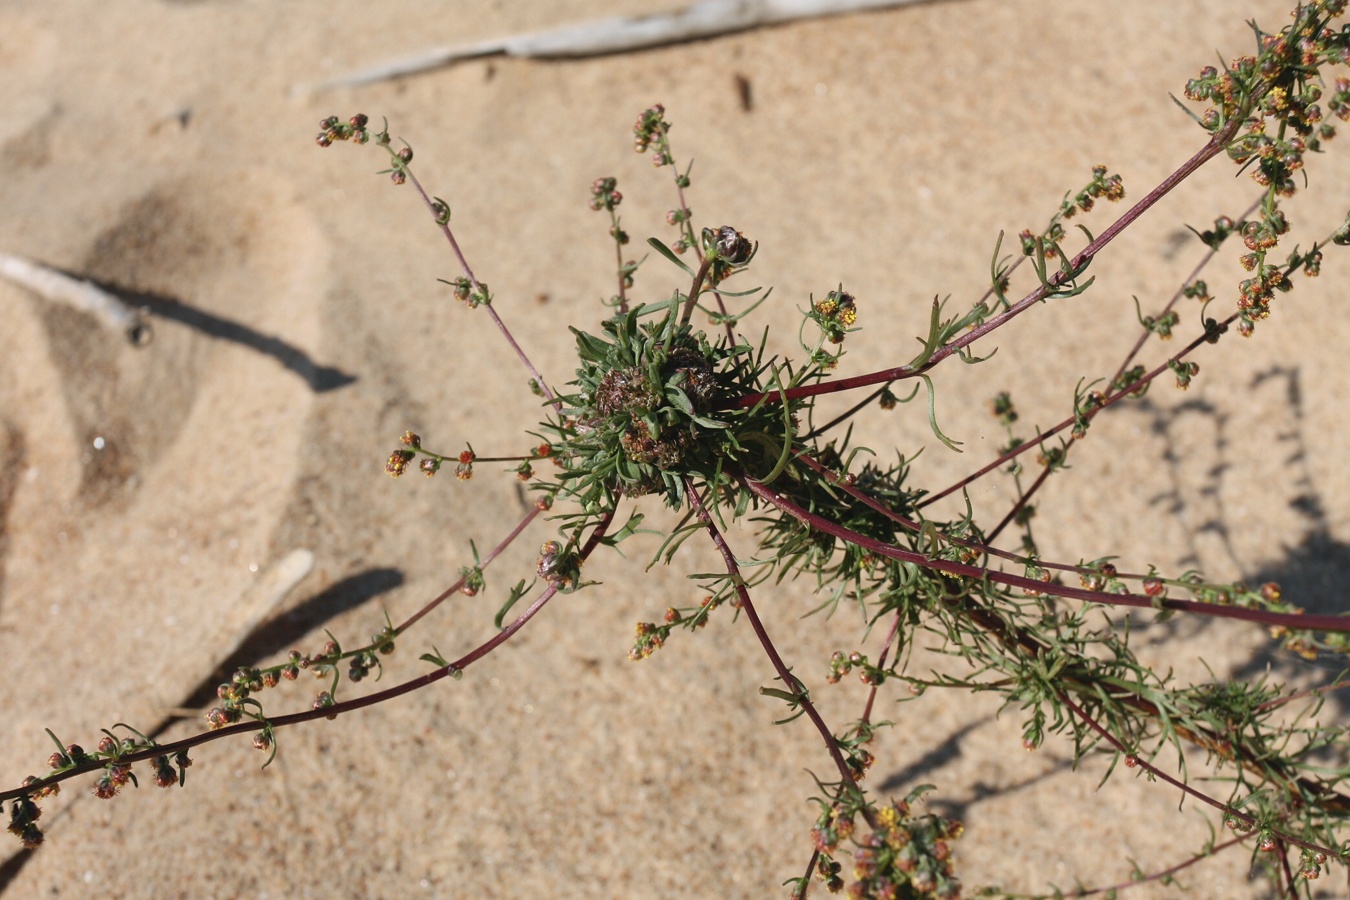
747, 606
327, 712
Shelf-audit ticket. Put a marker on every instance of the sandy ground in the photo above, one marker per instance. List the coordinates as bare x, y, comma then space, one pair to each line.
299, 329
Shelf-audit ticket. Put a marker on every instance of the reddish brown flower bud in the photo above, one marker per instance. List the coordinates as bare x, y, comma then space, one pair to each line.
104, 789
164, 773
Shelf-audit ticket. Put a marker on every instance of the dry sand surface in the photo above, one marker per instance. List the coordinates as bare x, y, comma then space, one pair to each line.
157, 147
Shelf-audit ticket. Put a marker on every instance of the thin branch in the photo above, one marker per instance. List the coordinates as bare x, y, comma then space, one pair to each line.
790, 681
482, 564
326, 712
478, 288
1138, 761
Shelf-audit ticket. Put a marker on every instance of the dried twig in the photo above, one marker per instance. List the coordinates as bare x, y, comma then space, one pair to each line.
616, 34
58, 287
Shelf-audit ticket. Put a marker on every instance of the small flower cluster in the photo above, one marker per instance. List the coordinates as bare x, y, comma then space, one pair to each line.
398, 461
354, 130
472, 294
1101, 187
114, 777
1255, 294
902, 856
1197, 290
833, 826
473, 580
525, 469
834, 315
651, 128
1311, 863
24, 811
1213, 238
1085, 406
904, 851
1052, 457
853, 746
604, 196
1101, 576
23, 816
1036, 573
1132, 376
558, 565
236, 694
1184, 371
1002, 408
1281, 83
1161, 325
841, 665
650, 636
360, 663
651, 132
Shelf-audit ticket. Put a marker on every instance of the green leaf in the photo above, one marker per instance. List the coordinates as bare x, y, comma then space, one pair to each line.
589, 346
516, 593
435, 658
932, 417
629, 529
934, 339
669, 254
679, 399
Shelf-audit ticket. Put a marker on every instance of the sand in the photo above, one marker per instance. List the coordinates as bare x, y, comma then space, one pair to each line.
298, 329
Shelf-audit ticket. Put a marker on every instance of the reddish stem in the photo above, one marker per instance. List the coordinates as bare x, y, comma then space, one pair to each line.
1328, 623
1212, 148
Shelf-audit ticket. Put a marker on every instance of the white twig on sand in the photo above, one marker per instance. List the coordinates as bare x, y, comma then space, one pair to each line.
616, 34
85, 296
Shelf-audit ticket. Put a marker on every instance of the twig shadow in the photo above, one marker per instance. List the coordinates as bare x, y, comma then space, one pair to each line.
946, 752
1315, 569
320, 378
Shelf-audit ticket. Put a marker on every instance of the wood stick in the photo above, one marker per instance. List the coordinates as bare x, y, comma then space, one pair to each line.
615, 34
